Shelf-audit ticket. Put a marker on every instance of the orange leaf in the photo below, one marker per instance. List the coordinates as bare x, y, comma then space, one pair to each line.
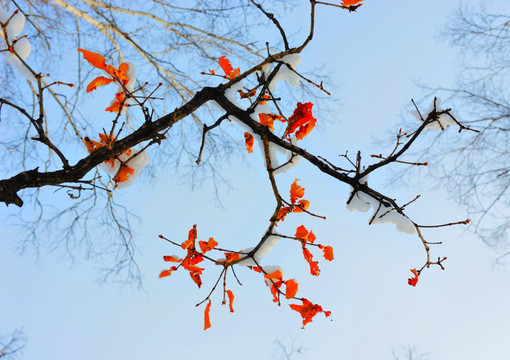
282, 213
234, 74
207, 320
248, 141
296, 191
196, 278
249, 94
414, 280
207, 246
268, 119
227, 68
328, 252
115, 106
230, 300
304, 130
308, 310
165, 273
99, 81
274, 280
230, 257
171, 258
123, 174
106, 139
291, 288
265, 98
306, 236
192, 235
92, 145
275, 291
301, 232
120, 73
351, 2
94, 59
275, 275
314, 265
302, 205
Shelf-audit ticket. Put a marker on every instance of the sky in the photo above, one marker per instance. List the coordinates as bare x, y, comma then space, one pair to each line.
374, 59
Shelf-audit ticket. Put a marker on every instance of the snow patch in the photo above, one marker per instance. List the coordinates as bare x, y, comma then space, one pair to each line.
21, 47
382, 214
442, 122
284, 73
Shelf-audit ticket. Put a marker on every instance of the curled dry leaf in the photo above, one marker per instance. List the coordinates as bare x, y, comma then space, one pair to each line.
207, 246
230, 295
308, 310
207, 320
414, 280
248, 140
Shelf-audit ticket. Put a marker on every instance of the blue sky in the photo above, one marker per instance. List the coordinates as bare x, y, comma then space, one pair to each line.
373, 57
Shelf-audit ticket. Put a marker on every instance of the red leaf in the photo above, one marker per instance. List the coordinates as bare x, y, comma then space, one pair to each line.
351, 2
414, 280
227, 68
314, 265
207, 320
328, 252
230, 300
225, 65
302, 121
308, 310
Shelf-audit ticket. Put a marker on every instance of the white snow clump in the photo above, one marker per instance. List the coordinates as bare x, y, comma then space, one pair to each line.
285, 73
21, 46
442, 122
382, 214
266, 247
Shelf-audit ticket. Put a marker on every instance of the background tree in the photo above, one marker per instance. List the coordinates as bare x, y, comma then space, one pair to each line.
410, 353
475, 168
11, 346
